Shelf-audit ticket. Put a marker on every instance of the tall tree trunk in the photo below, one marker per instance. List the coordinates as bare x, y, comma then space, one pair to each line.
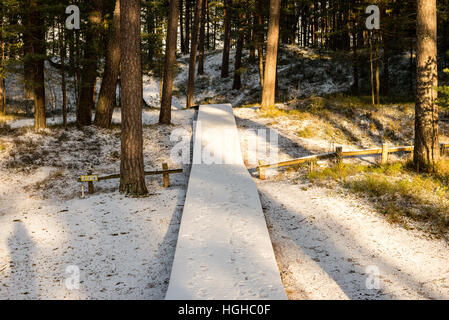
132, 175
269, 86
207, 25
202, 34
2, 66
170, 61
251, 38
427, 149
260, 41
214, 43
386, 55
62, 47
89, 74
38, 58
227, 39
181, 26
27, 51
238, 54
371, 67
377, 71
193, 51
77, 69
107, 97
355, 64
187, 20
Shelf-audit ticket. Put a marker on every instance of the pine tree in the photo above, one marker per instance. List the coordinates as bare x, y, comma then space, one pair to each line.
427, 149
132, 175
227, 39
170, 61
106, 99
269, 86
193, 52
38, 57
89, 66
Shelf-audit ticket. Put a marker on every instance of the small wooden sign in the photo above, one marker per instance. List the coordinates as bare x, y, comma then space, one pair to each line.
89, 178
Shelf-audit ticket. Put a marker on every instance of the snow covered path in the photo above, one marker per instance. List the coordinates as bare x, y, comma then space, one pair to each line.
224, 249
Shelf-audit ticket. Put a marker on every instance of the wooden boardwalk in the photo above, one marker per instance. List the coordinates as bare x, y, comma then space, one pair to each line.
224, 249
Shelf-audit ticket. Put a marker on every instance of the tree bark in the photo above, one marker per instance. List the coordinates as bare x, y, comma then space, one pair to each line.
227, 39
187, 37
181, 27
269, 86
377, 71
27, 51
260, 41
107, 96
355, 43
386, 55
2, 66
89, 69
132, 176
62, 45
238, 55
202, 35
373, 100
38, 58
427, 149
170, 61
193, 51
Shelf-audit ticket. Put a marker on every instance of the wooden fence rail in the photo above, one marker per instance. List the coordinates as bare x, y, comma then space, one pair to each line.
91, 178
339, 154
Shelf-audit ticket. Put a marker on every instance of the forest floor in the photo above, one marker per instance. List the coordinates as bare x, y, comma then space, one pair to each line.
329, 240
123, 247
332, 229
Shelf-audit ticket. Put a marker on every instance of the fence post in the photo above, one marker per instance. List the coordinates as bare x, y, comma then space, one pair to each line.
384, 159
261, 170
90, 184
339, 154
166, 176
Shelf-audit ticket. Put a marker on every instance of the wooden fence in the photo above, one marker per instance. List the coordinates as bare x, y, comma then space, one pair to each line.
91, 178
339, 154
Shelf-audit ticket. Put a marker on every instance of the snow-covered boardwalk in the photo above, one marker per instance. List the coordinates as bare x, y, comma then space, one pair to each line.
224, 249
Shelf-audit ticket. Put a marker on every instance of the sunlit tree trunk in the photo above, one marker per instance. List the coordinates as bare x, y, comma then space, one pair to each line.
170, 61
132, 176
269, 86
427, 149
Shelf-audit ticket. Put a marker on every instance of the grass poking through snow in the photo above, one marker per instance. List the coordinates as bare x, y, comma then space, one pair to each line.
412, 199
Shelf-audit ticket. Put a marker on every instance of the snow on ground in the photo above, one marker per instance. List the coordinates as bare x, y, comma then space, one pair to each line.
211, 88
330, 246
324, 241
152, 93
149, 116
124, 247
